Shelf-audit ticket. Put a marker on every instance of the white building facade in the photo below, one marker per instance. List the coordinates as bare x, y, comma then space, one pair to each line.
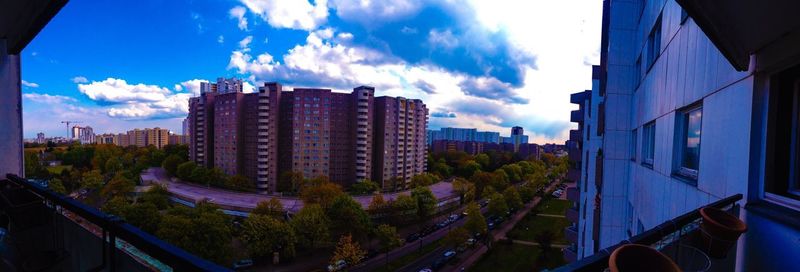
689, 113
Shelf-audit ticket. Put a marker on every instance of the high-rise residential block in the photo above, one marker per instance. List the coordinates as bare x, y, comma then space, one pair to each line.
158, 137
315, 132
40, 139
107, 139
400, 145
462, 134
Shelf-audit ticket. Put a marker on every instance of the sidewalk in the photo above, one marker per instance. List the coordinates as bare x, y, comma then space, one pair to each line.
498, 234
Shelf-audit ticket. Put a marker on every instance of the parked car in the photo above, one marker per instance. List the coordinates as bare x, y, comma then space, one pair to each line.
338, 266
453, 217
461, 248
471, 241
425, 270
412, 237
241, 264
490, 225
449, 254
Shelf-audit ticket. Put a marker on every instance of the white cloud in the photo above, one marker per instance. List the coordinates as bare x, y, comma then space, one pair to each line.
244, 43
47, 98
444, 39
293, 14
266, 40
192, 86
114, 90
29, 84
367, 11
79, 79
344, 36
221, 39
238, 12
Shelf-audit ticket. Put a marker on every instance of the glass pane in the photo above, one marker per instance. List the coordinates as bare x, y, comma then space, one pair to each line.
691, 151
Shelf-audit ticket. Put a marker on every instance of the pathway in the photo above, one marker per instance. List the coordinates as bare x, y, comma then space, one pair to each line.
471, 257
529, 243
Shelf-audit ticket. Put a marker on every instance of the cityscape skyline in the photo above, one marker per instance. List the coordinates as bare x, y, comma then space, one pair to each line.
531, 77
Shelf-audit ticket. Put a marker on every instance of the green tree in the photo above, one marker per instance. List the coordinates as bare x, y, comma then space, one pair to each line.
500, 180
264, 235
481, 180
311, 225
347, 250
475, 223
113, 165
423, 179
240, 183
426, 203
483, 160
157, 195
526, 192
497, 205
119, 186
513, 198
513, 171
441, 168
92, 180
203, 231
364, 187
272, 208
403, 208
320, 192
387, 238
184, 170
143, 215
33, 166
201, 175
464, 189
171, 163
290, 182
468, 168
117, 206
348, 216
57, 186
545, 241
456, 237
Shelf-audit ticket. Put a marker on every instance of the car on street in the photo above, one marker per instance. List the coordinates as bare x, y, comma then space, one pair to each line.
471, 241
241, 264
338, 266
425, 270
490, 225
449, 254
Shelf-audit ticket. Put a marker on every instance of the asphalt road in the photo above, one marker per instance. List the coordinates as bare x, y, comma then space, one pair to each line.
240, 201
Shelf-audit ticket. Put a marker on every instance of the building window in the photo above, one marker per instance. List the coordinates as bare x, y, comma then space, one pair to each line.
688, 125
648, 143
633, 145
654, 43
782, 166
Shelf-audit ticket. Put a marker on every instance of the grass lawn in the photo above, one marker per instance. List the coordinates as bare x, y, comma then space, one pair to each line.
554, 206
532, 225
56, 170
515, 257
398, 263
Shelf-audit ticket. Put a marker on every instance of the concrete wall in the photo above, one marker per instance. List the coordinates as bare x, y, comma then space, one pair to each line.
11, 160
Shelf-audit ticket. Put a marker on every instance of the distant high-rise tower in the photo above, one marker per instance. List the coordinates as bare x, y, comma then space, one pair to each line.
516, 131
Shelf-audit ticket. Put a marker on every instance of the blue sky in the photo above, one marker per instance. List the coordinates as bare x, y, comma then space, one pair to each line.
117, 65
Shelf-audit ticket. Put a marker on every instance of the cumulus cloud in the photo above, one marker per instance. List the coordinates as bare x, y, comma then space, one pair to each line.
112, 90
47, 98
29, 84
292, 14
192, 86
79, 79
238, 13
491, 88
386, 10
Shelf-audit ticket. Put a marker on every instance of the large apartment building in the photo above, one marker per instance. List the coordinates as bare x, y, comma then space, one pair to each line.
400, 145
675, 76
315, 132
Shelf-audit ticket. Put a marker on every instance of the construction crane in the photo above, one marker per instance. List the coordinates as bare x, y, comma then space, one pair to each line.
70, 122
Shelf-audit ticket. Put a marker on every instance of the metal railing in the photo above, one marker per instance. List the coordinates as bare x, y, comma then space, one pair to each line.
659, 236
113, 227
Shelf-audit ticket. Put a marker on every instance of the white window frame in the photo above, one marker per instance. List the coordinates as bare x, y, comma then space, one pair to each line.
681, 117
648, 143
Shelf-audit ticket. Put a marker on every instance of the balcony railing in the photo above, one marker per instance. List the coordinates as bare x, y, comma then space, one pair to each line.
669, 237
74, 227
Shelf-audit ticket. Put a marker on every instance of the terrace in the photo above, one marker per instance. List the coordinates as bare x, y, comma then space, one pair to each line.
678, 239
